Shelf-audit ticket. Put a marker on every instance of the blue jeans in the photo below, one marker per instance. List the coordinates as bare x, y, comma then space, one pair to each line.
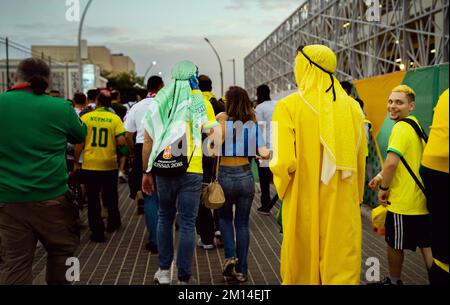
182, 193
151, 217
239, 188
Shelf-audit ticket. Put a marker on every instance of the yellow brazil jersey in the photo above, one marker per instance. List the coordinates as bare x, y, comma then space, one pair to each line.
405, 195
436, 152
195, 166
100, 152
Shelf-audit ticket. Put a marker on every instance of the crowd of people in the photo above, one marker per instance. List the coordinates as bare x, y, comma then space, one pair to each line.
178, 137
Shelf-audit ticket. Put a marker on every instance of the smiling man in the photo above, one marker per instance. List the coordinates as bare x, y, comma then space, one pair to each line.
407, 221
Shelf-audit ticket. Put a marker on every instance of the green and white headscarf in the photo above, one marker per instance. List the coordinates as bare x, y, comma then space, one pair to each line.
174, 105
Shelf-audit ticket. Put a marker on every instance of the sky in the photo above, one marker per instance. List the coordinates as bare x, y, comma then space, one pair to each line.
165, 31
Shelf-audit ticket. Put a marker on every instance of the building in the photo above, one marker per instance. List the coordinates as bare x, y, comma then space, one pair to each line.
63, 61
96, 55
372, 40
64, 77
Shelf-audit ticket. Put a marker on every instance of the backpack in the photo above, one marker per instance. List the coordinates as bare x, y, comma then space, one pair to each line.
173, 161
422, 135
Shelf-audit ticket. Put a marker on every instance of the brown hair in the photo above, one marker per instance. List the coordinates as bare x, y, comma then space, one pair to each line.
36, 72
238, 105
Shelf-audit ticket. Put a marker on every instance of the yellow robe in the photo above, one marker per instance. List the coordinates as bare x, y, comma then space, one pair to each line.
321, 223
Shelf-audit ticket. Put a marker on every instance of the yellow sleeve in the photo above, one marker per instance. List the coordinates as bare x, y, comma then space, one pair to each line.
361, 159
212, 122
120, 129
283, 163
398, 142
84, 118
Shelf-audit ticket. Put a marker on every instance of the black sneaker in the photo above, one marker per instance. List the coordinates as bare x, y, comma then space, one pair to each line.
151, 248
263, 211
140, 211
386, 282
112, 228
97, 238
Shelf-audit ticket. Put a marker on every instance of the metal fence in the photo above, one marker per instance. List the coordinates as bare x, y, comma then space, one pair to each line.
407, 35
64, 76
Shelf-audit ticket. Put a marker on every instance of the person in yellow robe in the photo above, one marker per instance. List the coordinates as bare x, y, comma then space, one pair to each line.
318, 167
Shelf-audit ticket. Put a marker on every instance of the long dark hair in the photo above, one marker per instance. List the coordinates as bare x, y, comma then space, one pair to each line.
238, 105
36, 72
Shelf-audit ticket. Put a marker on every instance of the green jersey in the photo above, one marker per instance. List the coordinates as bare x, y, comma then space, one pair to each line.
35, 131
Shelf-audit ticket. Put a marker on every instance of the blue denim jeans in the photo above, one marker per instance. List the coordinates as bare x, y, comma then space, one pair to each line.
183, 194
151, 217
239, 188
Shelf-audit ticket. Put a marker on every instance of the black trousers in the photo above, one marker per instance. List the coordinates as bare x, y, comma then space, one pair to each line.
135, 175
207, 221
437, 193
265, 179
106, 183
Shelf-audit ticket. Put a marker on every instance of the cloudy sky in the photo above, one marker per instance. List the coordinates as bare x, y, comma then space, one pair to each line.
165, 31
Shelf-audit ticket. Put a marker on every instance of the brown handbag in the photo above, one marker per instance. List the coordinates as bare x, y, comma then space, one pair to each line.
212, 193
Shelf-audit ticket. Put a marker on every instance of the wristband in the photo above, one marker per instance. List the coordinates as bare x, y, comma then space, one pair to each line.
384, 188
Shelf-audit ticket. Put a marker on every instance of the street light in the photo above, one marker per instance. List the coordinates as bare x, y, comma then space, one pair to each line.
220, 64
80, 28
149, 68
234, 71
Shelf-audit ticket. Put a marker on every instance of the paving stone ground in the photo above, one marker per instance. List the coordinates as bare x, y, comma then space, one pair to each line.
123, 260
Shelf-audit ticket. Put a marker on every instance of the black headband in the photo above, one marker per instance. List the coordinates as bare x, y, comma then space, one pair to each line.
311, 62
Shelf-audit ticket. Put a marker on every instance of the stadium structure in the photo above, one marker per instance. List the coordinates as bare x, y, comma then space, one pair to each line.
370, 38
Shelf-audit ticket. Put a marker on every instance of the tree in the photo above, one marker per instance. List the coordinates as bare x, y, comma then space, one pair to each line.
123, 81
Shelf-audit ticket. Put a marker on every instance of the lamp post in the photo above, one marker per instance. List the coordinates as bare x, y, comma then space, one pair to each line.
80, 64
148, 69
234, 71
220, 64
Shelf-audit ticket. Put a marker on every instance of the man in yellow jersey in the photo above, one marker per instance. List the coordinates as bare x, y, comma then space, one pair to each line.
178, 111
105, 137
207, 222
407, 221
318, 169
434, 173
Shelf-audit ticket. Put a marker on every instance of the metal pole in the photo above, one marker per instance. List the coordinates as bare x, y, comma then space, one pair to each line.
67, 81
7, 64
234, 72
405, 59
220, 64
80, 67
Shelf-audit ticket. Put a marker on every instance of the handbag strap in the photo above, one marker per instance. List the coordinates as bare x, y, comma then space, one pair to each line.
217, 168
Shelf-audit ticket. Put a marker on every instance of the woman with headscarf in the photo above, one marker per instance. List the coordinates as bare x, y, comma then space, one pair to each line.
177, 117
318, 167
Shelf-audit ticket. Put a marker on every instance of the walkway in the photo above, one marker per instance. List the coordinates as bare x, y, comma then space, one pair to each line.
123, 260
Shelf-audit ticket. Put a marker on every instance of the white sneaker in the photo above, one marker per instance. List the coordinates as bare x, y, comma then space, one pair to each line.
190, 282
122, 177
162, 277
205, 247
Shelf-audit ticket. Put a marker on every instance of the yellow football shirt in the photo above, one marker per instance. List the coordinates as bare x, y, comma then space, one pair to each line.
100, 150
405, 196
436, 152
196, 166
